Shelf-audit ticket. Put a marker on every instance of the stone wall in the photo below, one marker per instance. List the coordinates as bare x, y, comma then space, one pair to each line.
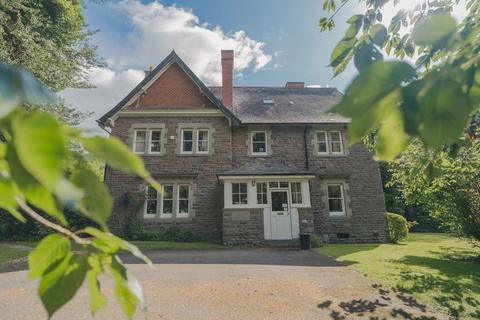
243, 227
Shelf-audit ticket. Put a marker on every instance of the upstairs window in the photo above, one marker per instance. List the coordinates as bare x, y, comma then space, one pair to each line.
140, 141
155, 139
336, 144
147, 141
336, 201
239, 193
202, 141
262, 193
296, 190
259, 143
329, 142
187, 141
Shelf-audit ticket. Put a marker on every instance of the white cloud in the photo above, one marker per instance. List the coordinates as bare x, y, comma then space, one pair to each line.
156, 30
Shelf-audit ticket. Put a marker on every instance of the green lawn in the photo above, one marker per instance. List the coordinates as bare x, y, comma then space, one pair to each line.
434, 268
7, 253
161, 245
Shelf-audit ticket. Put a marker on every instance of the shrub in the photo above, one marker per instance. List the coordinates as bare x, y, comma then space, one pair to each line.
172, 234
316, 241
397, 227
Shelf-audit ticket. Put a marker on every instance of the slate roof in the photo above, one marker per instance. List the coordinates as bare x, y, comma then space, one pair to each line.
292, 106
261, 166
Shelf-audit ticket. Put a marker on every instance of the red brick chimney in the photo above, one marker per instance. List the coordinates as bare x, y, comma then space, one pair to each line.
295, 85
227, 78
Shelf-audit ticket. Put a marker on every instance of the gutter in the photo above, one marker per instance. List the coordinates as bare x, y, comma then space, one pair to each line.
305, 148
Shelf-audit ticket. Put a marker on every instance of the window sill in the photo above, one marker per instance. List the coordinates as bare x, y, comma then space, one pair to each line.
194, 154
337, 215
330, 155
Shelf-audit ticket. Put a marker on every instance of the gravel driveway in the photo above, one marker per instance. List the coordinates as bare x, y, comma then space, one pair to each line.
232, 284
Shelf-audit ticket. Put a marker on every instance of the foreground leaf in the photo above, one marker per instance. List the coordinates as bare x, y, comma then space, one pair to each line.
391, 139
434, 29
7, 199
49, 251
97, 299
60, 284
40, 147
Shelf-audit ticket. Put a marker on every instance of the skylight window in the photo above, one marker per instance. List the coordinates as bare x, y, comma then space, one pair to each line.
268, 101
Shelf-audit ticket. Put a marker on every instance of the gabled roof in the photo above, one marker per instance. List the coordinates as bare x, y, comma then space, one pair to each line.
166, 63
261, 167
290, 106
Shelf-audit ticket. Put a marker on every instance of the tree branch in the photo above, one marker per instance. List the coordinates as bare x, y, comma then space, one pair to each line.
50, 224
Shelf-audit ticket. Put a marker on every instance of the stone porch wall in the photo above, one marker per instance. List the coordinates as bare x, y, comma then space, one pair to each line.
243, 227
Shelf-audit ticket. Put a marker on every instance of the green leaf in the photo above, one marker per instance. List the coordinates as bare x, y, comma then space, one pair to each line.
18, 86
365, 56
7, 199
444, 110
97, 299
40, 147
371, 95
391, 139
118, 156
61, 282
112, 244
341, 51
31, 190
97, 202
49, 251
127, 290
354, 18
379, 34
434, 29
353, 30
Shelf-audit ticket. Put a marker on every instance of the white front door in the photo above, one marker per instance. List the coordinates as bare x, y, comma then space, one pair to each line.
281, 215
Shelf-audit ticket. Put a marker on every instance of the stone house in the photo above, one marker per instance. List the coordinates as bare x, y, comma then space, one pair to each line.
252, 164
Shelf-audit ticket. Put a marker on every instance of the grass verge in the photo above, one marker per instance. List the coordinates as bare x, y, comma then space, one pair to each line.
436, 269
163, 245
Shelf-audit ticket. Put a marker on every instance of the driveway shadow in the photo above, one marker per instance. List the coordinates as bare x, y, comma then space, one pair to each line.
264, 256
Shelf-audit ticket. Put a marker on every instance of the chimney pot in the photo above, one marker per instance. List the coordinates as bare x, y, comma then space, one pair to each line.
147, 72
295, 85
227, 78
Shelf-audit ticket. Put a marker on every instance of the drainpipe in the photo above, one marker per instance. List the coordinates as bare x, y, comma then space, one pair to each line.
305, 149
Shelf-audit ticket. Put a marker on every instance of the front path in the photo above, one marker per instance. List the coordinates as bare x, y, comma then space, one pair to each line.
233, 284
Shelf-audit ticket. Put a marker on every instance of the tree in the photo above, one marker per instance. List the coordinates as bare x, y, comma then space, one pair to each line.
49, 39
41, 171
434, 100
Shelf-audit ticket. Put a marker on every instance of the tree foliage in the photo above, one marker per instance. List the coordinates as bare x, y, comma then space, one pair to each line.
434, 99
40, 169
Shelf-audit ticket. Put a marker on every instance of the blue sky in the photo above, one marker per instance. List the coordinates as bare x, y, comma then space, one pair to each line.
275, 40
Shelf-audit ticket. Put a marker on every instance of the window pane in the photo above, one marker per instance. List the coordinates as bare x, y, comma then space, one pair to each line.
259, 137
283, 184
321, 136
243, 198
334, 191
202, 135
168, 192
336, 147
140, 140
273, 184
183, 192
335, 205
335, 136
183, 206
167, 206
235, 187
259, 147
236, 198
187, 135
322, 147
151, 206
156, 135
264, 198
243, 188
187, 146
203, 146
151, 193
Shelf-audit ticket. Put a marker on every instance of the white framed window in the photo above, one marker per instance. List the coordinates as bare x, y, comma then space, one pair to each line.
167, 201
262, 194
187, 141
154, 145
336, 199
239, 193
140, 141
322, 143
151, 202
296, 192
273, 184
336, 145
202, 140
183, 201
259, 143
